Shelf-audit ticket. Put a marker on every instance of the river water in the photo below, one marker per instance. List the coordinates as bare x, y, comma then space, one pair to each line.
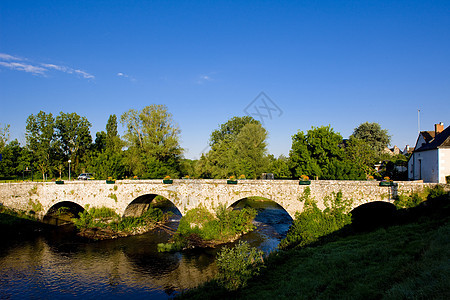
58, 265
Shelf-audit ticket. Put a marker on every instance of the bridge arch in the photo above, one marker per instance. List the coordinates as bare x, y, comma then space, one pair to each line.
142, 203
62, 212
259, 203
373, 214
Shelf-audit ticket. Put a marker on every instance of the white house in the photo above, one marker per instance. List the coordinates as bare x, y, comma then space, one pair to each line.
430, 160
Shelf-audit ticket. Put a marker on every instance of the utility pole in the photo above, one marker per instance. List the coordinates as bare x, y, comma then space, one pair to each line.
418, 121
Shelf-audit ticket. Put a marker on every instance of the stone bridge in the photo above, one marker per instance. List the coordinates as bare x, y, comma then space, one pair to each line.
127, 196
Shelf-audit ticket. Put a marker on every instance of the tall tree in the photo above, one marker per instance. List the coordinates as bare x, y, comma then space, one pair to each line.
74, 137
231, 128
378, 139
40, 134
113, 142
4, 136
238, 147
153, 141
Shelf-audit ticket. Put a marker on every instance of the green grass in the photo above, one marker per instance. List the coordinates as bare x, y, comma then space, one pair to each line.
410, 260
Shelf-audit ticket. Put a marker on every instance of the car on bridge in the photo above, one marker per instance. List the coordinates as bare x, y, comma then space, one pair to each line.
86, 176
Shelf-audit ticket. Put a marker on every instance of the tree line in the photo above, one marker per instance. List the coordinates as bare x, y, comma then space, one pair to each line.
150, 148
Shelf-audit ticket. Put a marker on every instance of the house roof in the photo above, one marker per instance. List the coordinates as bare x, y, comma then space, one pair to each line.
428, 135
442, 140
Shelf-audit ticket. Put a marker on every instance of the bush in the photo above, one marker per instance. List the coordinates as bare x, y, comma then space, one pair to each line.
237, 265
312, 223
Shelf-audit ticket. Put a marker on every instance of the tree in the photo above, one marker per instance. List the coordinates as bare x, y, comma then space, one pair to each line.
10, 163
4, 136
74, 138
238, 147
360, 152
113, 142
320, 153
40, 134
378, 139
279, 167
231, 128
153, 138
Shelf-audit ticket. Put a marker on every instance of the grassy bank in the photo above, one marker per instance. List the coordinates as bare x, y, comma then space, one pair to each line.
407, 260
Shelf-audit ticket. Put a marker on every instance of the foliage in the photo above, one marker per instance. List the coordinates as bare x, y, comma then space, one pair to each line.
202, 225
318, 153
279, 167
238, 147
153, 142
395, 262
4, 135
378, 139
238, 264
74, 138
312, 223
40, 136
104, 217
414, 199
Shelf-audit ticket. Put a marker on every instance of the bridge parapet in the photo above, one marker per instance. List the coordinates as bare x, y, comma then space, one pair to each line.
190, 193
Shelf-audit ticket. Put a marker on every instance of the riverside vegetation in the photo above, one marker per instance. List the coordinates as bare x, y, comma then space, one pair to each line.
328, 258
201, 228
104, 223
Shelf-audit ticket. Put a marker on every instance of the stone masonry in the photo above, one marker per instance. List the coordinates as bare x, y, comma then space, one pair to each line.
191, 193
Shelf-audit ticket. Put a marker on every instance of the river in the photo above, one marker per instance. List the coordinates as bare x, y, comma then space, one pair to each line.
59, 265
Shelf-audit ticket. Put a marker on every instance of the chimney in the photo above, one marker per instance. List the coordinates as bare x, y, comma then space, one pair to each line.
438, 128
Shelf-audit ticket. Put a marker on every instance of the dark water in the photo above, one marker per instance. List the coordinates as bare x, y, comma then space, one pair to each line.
58, 265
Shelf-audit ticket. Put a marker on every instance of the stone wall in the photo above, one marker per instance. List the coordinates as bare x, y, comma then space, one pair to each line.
188, 194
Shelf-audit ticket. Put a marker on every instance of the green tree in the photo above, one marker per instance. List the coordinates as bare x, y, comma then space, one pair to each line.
40, 136
279, 167
360, 152
74, 138
250, 150
10, 163
153, 141
238, 147
4, 136
112, 139
378, 139
320, 153
230, 129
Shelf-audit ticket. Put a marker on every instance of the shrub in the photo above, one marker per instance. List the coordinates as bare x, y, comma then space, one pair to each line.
312, 223
237, 265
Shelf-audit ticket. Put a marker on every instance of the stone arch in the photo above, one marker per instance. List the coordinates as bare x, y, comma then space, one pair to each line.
255, 199
373, 214
243, 195
141, 204
62, 212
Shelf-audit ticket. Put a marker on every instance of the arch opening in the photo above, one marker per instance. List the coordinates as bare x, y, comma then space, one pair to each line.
272, 222
142, 203
62, 213
372, 215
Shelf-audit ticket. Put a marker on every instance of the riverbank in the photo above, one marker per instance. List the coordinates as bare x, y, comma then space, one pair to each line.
16, 224
410, 259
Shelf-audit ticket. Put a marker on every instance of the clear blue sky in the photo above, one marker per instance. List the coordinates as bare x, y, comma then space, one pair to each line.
320, 62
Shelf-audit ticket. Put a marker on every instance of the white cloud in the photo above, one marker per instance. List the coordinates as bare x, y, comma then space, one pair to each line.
204, 78
38, 68
24, 67
120, 74
4, 56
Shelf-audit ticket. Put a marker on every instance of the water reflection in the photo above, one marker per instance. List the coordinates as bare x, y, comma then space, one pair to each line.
61, 265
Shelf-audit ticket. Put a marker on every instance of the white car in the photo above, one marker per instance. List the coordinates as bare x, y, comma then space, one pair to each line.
85, 176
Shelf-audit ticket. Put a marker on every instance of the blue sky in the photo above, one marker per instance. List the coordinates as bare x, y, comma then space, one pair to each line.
319, 62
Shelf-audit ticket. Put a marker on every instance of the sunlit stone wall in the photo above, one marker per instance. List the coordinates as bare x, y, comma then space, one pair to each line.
191, 193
